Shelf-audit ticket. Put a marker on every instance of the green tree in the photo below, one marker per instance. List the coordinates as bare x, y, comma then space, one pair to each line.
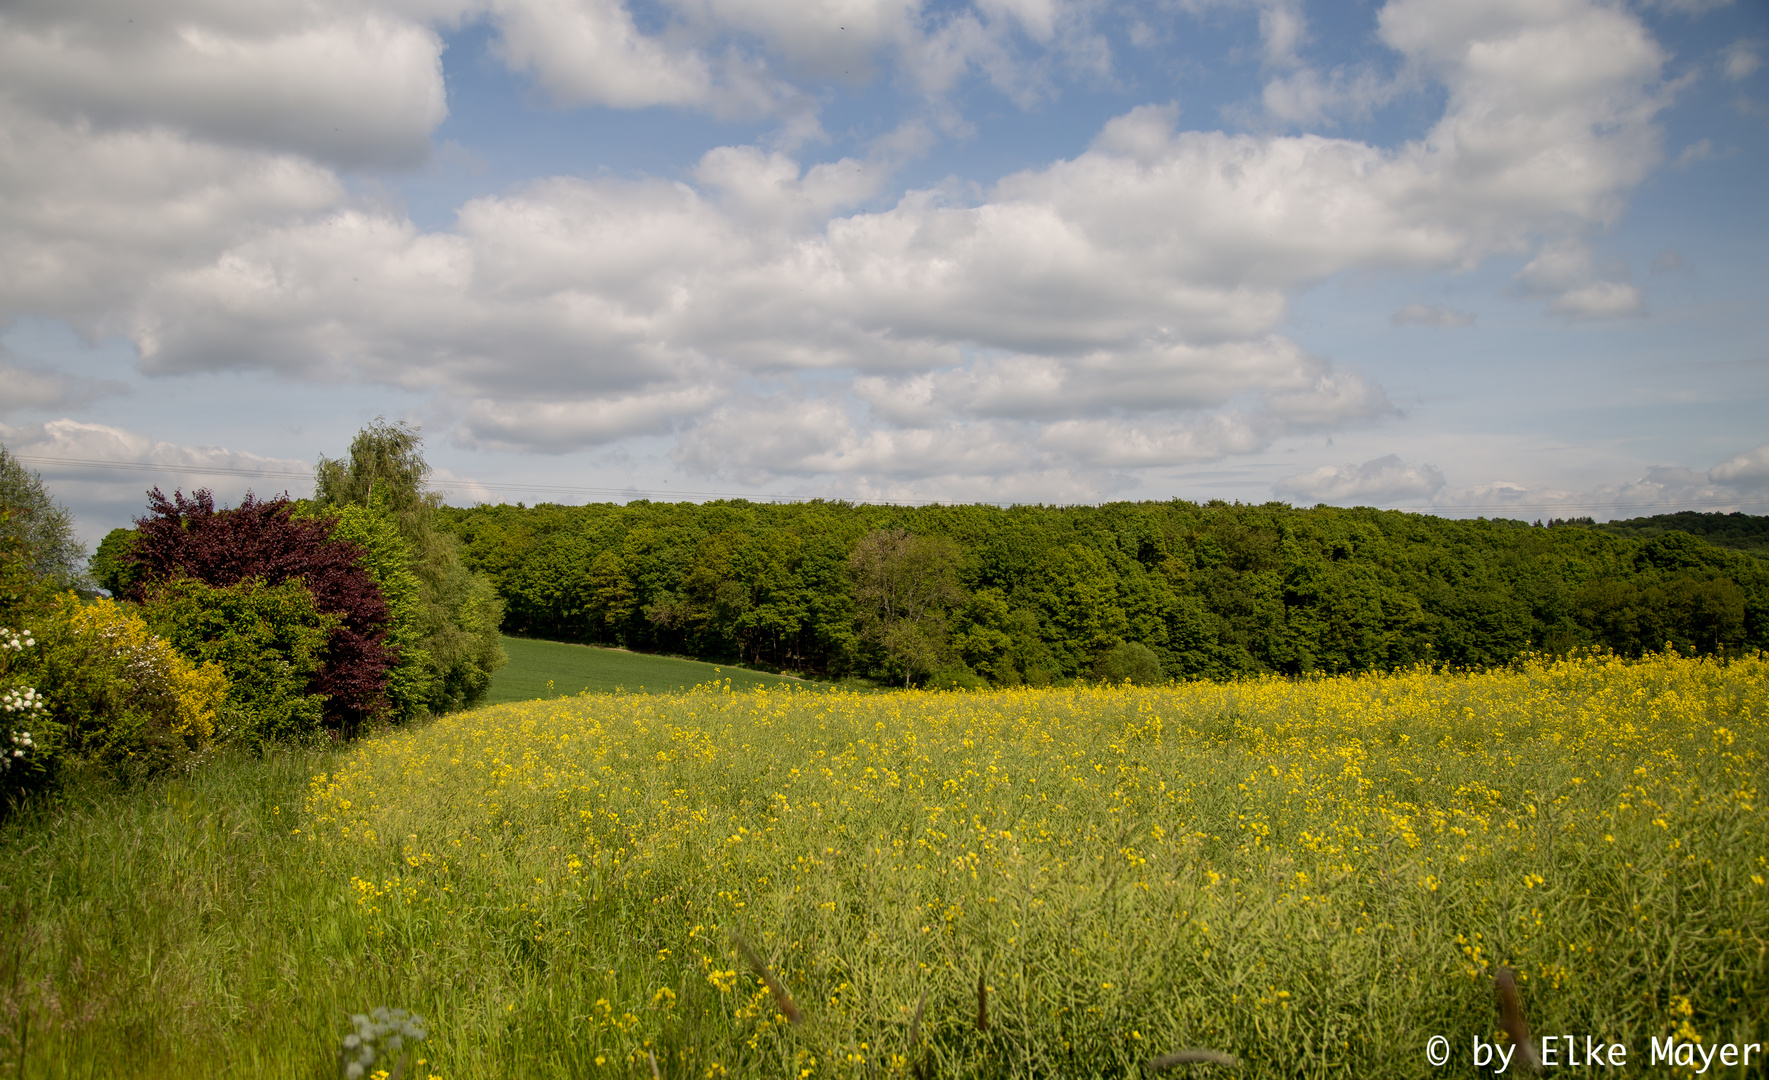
1129, 661
904, 589
458, 613
42, 527
112, 569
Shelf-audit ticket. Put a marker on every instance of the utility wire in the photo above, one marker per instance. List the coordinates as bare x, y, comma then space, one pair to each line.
645, 493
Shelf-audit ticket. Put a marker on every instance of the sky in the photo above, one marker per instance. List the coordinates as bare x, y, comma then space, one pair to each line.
1466, 257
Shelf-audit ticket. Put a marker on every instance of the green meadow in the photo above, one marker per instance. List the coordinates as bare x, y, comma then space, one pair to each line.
545, 669
1311, 876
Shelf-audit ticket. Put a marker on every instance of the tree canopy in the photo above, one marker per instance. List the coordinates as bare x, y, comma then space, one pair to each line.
1212, 590
42, 528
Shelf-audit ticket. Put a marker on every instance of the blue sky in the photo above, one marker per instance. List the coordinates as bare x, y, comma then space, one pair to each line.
1497, 257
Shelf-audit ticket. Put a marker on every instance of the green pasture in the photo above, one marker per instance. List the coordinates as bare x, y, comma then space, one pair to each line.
546, 669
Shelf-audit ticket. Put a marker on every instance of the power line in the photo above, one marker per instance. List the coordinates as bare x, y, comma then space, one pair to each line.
467, 484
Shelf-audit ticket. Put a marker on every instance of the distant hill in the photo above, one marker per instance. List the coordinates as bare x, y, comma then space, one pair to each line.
1741, 532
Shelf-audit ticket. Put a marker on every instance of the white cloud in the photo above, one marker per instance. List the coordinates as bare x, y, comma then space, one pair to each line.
1741, 60
1600, 300
592, 53
1306, 97
1748, 470
1382, 480
1697, 151
87, 218
1116, 310
39, 389
1117, 444
561, 426
102, 473
339, 84
1567, 270
1425, 315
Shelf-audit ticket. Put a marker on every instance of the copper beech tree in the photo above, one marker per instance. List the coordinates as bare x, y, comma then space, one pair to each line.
264, 540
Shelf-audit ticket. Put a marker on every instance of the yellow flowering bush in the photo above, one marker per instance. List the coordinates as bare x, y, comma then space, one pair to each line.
118, 694
1315, 875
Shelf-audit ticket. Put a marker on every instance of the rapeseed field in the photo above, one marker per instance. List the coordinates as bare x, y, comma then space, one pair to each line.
1315, 876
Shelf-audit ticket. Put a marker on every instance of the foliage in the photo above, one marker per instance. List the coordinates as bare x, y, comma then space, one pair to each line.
116, 694
387, 558
455, 613
1131, 662
904, 588
266, 540
1214, 590
1742, 532
268, 639
110, 566
23, 592
43, 528
24, 716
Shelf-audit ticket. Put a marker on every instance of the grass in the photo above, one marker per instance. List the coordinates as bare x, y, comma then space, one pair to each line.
1313, 876
548, 669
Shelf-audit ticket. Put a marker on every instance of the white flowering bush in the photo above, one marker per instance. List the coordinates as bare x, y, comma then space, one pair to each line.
378, 1036
22, 709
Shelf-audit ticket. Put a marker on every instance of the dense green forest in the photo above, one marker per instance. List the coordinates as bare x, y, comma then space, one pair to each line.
1743, 532
1035, 594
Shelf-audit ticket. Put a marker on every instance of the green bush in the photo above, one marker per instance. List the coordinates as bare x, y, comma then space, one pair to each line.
1130, 660
269, 639
114, 694
955, 677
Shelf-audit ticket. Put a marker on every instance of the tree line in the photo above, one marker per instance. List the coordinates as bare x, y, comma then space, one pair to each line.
274, 620
1036, 594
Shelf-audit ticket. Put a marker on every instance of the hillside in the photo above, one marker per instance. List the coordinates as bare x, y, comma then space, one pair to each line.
1041, 594
546, 669
1740, 532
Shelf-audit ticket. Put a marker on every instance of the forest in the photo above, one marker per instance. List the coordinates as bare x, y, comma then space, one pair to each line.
1041, 594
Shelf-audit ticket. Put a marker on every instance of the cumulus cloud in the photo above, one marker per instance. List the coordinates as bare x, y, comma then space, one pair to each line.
1306, 96
1600, 300
1116, 310
1741, 484
1741, 60
102, 472
37, 389
1425, 315
1567, 271
335, 83
1748, 470
1381, 480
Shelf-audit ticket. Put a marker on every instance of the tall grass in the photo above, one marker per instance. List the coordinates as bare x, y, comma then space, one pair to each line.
1312, 876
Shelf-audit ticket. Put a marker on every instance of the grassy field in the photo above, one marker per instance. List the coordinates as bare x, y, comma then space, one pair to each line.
1314, 876
548, 669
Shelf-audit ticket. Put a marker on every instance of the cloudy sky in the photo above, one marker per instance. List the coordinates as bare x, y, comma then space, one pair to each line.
1470, 256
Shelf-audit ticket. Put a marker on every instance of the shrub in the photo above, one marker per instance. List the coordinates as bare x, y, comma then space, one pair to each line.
268, 639
265, 540
118, 695
24, 718
1130, 660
